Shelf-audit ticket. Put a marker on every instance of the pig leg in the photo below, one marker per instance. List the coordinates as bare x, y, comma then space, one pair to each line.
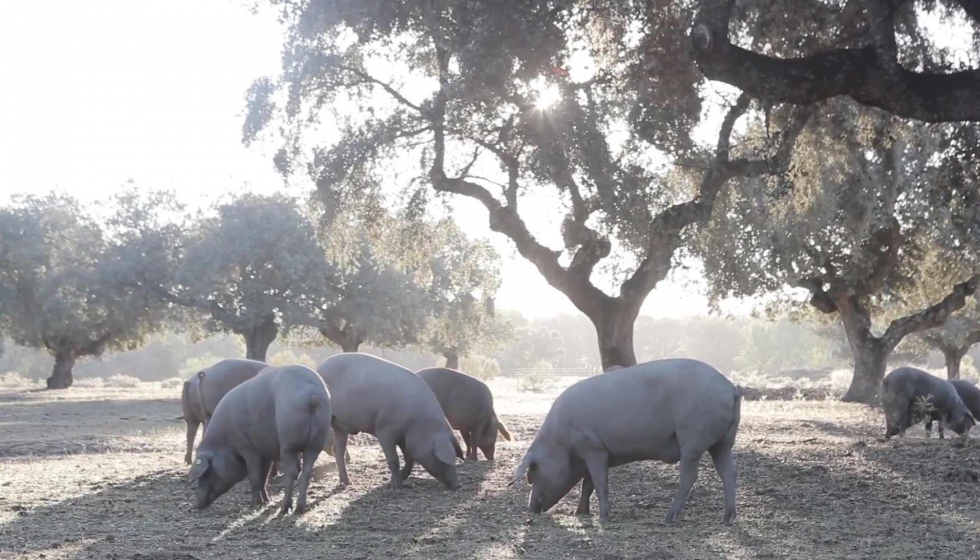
266, 471
689, 475
725, 465
288, 463
939, 421
583, 500
929, 427
339, 454
409, 463
256, 478
191, 434
470, 447
598, 465
390, 449
309, 458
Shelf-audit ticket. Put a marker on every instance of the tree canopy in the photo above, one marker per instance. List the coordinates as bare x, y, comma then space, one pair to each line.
504, 103
854, 224
75, 286
879, 53
255, 268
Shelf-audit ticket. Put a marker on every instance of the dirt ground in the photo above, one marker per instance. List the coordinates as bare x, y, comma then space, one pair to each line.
98, 473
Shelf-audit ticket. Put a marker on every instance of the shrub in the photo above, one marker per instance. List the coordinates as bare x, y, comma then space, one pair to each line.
479, 366
120, 381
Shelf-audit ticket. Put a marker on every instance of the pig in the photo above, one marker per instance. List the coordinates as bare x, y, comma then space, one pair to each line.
198, 398
378, 397
905, 387
969, 394
468, 405
666, 410
279, 415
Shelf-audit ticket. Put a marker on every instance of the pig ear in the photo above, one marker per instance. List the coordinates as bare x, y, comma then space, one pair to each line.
503, 430
201, 465
525, 467
445, 452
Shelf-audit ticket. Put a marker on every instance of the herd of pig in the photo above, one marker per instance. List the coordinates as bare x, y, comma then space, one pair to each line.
257, 416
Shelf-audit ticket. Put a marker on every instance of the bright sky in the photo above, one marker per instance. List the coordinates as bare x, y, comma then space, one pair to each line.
97, 93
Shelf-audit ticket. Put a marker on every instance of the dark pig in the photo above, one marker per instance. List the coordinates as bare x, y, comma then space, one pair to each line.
377, 397
468, 405
905, 391
202, 393
665, 410
969, 394
279, 415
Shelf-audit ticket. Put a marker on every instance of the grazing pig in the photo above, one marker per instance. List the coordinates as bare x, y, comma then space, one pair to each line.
279, 415
665, 410
905, 388
468, 405
969, 394
377, 397
199, 397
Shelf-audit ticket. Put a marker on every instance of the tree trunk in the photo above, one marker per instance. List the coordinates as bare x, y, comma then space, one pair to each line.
615, 332
870, 361
953, 358
452, 360
64, 362
258, 340
350, 345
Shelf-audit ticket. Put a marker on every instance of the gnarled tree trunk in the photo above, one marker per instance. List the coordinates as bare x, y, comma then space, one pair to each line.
259, 338
870, 352
61, 375
614, 329
870, 362
452, 360
350, 345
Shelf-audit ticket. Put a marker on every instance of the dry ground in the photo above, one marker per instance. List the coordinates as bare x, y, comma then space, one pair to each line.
98, 473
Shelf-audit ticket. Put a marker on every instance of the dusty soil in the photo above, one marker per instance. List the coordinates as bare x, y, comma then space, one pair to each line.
98, 473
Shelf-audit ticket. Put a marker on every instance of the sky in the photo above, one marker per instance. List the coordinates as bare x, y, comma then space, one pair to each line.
98, 93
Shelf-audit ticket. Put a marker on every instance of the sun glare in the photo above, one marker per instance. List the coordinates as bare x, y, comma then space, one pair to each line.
548, 94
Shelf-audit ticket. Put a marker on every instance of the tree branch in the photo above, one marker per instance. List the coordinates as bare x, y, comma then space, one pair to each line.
667, 227
870, 75
931, 317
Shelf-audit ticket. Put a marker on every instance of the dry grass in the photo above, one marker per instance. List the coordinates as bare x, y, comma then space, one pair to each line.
98, 473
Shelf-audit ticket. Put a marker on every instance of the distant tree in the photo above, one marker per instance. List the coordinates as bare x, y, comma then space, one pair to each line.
579, 104
852, 224
877, 52
76, 288
464, 281
376, 295
532, 346
255, 269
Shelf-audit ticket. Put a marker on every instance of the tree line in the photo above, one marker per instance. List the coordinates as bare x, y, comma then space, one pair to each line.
76, 283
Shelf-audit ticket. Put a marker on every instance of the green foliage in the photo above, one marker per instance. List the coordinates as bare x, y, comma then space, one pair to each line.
480, 366
532, 347
465, 279
76, 287
855, 214
257, 259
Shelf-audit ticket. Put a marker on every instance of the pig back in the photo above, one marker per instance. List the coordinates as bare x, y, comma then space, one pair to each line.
636, 411
222, 377
366, 390
465, 400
